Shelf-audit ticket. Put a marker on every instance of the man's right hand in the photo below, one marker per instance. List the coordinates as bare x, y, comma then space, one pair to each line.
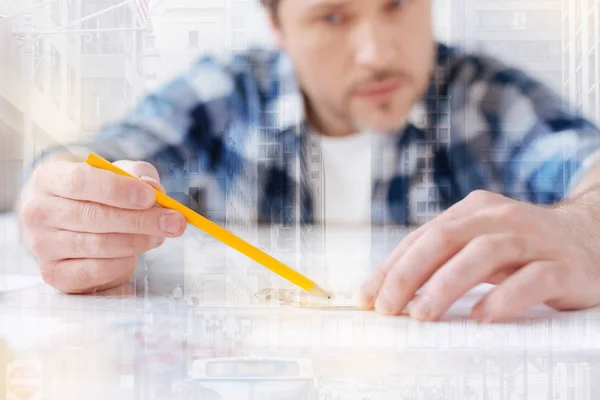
87, 226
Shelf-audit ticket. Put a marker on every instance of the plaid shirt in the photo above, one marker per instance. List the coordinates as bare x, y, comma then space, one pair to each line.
229, 139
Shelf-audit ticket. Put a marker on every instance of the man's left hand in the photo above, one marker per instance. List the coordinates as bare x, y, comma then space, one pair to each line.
534, 254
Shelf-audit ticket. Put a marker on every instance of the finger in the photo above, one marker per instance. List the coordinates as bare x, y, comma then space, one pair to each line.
80, 181
368, 291
482, 257
533, 284
86, 275
79, 216
64, 244
432, 250
365, 295
142, 170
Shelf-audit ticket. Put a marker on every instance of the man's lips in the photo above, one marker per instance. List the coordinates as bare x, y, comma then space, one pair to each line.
379, 89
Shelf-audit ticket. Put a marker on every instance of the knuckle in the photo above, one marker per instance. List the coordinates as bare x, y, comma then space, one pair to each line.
32, 211
480, 197
442, 236
96, 243
75, 179
138, 221
550, 278
91, 213
440, 289
38, 176
509, 211
109, 188
488, 245
136, 244
82, 278
79, 242
38, 245
520, 250
399, 277
48, 273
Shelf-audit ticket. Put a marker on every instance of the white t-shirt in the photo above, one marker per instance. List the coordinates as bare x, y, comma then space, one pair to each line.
342, 194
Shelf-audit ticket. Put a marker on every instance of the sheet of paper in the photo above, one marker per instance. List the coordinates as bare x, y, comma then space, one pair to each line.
12, 282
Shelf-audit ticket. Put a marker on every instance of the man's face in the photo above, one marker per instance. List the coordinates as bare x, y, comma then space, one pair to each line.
362, 63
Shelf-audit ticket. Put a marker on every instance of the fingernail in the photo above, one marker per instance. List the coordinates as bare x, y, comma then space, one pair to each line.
142, 197
385, 303
422, 308
158, 240
479, 312
153, 182
170, 223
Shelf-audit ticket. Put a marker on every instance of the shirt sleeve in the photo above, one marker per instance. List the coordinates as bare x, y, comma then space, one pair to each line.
527, 142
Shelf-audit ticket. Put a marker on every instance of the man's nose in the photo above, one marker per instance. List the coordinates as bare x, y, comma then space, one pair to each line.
374, 46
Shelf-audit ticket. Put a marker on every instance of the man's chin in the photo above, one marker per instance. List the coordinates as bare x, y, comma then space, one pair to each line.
382, 125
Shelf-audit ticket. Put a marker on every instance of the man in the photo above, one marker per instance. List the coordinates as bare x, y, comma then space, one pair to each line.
515, 172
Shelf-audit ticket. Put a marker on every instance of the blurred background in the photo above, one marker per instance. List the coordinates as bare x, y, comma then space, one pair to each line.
68, 66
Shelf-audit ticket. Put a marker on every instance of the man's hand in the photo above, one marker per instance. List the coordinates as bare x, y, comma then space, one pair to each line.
534, 254
86, 226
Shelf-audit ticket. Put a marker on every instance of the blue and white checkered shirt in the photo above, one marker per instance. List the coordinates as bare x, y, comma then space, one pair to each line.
229, 138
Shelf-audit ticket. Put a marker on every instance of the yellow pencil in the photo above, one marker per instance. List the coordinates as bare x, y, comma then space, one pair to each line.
220, 233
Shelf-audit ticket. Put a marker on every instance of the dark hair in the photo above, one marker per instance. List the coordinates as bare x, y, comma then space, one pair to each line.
270, 4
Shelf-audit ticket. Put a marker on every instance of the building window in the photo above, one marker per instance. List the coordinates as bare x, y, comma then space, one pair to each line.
433, 193
193, 39
443, 134
421, 207
117, 42
432, 207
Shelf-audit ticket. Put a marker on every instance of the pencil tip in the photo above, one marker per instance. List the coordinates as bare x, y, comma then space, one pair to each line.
320, 292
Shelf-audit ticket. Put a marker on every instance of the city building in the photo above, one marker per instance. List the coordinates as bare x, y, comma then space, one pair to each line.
66, 72
112, 63
39, 99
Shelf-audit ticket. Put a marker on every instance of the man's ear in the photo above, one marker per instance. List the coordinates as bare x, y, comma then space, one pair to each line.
275, 27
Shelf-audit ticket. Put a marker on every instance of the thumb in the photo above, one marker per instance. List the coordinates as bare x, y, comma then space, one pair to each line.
153, 182
143, 170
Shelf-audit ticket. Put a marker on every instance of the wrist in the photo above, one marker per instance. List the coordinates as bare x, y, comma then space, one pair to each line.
585, 201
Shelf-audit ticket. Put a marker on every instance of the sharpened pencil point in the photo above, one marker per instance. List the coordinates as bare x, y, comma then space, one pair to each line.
316, 290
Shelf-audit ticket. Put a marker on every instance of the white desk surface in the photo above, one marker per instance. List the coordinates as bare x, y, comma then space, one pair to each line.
194, 299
